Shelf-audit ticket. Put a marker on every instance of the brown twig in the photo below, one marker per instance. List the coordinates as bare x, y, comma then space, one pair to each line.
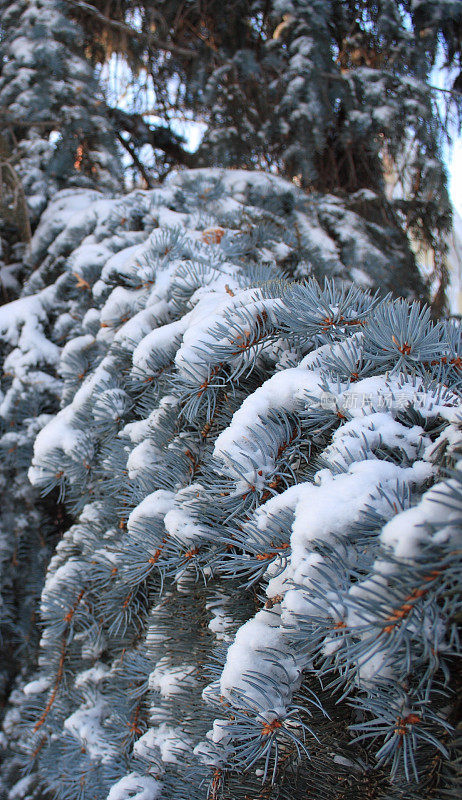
148, 39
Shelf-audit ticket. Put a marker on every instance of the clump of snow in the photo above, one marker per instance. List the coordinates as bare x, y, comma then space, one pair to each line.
85, 724
36, 687
135, 787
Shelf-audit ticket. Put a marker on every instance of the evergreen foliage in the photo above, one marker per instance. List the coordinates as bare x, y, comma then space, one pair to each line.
258, 593
335, 94
55, 131
231, 517
81, 236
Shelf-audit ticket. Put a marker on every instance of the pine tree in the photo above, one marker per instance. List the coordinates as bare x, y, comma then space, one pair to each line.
252, 489
334, 95
258, 593
79, 234
47, 91
329, 94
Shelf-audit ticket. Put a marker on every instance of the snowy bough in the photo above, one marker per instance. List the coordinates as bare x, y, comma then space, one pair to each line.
258, 596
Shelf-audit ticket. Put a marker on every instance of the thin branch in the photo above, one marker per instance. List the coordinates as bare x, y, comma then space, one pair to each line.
138, 164
160, 138
14, 206
340, 76
86, 8
440, 89
7, 119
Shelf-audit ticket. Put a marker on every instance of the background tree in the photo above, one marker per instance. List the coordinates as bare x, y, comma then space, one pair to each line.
331, 94
55, 131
